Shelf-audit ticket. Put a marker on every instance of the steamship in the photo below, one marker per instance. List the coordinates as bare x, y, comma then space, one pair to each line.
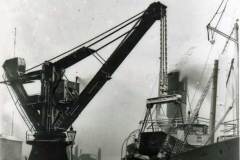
179, 136
173, 130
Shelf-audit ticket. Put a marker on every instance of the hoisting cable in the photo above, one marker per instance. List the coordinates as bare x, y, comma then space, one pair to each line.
189, 103
145, 120
217, 11
151, 120
99, 58
127, 33
19, 109
202, 73
230, 71
209, 30
226, 44
221, 14
132, 19
143, 123
113, 32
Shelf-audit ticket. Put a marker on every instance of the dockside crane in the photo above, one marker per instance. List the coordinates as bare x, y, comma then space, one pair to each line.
60, 102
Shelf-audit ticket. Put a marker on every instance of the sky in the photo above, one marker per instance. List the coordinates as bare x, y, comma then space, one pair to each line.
47, 28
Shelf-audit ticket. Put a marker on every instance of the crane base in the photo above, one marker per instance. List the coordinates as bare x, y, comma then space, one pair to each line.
48, 149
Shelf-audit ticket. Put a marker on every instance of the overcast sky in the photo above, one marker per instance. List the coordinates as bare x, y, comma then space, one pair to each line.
46, 28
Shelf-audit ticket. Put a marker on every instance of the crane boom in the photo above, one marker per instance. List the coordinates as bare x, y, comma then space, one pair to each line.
214, 29
201, 100
153, 13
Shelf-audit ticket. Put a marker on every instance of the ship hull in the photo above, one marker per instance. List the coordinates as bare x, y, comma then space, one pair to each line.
225, 150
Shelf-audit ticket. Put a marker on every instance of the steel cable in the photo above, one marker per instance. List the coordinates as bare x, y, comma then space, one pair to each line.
109, 30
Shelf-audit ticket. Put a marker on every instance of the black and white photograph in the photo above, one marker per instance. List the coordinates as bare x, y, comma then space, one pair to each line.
119, 80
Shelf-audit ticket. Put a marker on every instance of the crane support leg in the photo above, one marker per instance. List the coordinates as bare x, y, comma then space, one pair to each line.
48, 147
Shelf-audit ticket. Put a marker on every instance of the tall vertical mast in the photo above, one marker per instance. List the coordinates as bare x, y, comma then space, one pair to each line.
15, 42
214, 102
211, 32
237, 95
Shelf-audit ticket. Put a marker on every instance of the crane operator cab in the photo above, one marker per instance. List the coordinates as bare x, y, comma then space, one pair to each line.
65, 91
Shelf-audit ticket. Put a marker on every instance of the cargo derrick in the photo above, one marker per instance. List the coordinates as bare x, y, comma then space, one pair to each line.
60, 102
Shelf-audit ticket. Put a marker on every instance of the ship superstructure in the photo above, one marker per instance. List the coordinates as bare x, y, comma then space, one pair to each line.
182, 134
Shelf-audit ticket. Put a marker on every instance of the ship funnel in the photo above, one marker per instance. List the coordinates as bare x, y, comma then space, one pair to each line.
175, 86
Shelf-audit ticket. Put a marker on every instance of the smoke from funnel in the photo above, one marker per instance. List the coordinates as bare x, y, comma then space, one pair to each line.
194, 66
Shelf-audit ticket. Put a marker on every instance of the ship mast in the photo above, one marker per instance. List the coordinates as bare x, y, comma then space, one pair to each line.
212, 29
235, 40
214, 102
237, 94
